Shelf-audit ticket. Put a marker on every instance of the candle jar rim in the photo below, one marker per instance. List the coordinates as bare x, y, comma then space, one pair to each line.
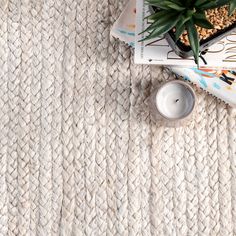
164, 84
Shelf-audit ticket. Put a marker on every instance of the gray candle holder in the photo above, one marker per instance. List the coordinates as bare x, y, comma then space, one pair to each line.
181, 120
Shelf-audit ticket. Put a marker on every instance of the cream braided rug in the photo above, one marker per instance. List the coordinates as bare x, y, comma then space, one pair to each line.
79, 154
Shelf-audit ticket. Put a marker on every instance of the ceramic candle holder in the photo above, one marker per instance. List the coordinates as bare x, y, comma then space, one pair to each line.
173, 103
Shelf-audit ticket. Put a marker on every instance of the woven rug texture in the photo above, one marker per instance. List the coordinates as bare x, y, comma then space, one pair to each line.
79, 152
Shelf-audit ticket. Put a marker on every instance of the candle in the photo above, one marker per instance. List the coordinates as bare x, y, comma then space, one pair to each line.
173, 102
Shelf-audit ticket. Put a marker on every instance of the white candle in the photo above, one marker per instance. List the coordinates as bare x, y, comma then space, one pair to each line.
174, 101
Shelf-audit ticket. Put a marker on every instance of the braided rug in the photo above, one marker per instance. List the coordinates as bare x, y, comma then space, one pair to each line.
79, 153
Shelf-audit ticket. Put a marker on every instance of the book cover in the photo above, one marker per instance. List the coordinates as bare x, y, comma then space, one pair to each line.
218, 82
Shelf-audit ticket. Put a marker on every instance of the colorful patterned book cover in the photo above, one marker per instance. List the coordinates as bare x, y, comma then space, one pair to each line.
124, 27
218, 82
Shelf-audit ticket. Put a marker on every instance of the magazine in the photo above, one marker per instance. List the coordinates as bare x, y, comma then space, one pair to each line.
158, 51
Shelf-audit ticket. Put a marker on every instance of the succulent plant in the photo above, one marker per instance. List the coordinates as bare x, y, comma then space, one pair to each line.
183, 15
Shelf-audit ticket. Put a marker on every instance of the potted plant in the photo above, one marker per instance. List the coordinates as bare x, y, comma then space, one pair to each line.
191, 26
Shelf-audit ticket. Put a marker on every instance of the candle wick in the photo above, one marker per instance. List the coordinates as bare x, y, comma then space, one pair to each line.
177, 100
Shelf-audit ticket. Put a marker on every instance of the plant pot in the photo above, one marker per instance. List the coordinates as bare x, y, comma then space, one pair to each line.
185, 51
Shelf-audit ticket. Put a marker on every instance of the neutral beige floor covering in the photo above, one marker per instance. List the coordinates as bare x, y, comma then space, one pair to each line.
79, 153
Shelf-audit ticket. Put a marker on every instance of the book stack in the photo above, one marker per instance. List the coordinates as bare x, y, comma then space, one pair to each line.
217, 73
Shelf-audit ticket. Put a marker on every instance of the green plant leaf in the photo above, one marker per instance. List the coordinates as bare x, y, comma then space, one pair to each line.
179, 29
193, 39
200, 2
162, 29
189, 14
204, 23
157, 3
179, 2
162, 21
213, 4
156, 16
180, 26
232, 7
172, 16
222, 2
189, 3
167, 4
201, 20
154, 1
175, 6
